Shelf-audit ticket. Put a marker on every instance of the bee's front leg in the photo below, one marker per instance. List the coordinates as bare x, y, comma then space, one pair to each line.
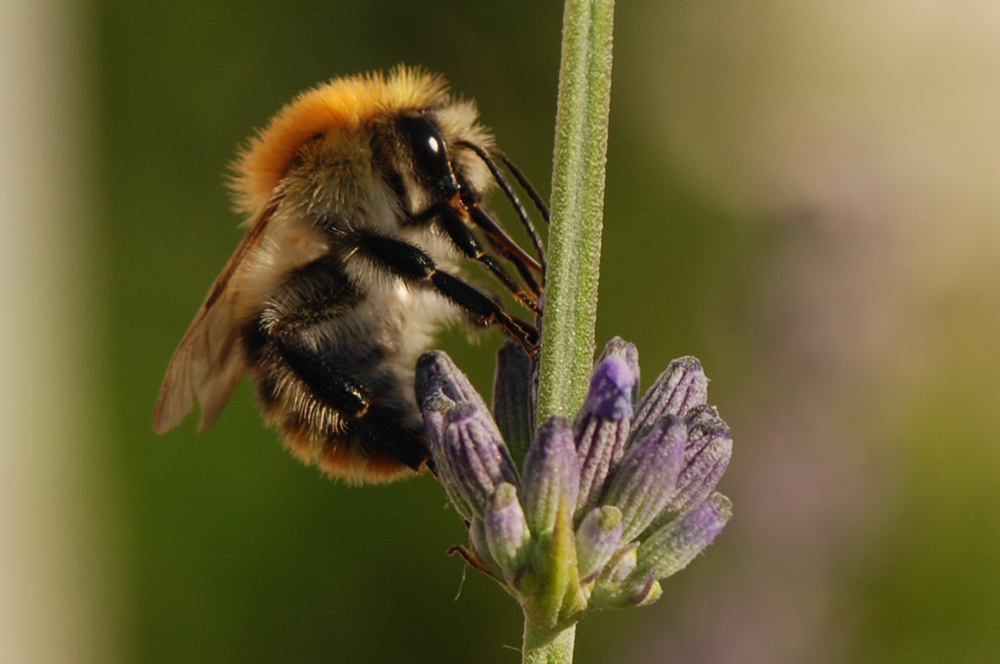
411, 264
466, 241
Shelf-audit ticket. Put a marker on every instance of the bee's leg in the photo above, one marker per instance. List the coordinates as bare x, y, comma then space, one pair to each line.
411, 264
523, 180
512, 196
327, 383
465, 240
352, 401
521, 267
478, 216
484, 220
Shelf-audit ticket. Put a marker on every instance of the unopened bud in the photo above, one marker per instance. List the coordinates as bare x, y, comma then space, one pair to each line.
672, 547
507, 531
646, 477
597, 539
551, 473
678, 389
603, 424
475, 455
512, 399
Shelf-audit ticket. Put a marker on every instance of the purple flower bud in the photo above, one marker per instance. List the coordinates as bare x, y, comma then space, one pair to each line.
678, 389
551, 472
610, 389
450, 484
441, 387
438, 381
602, 426
475, 454
622, 349
597, 539
644, 481
436, 408
507, 531
512, 407
672, 547
706, 457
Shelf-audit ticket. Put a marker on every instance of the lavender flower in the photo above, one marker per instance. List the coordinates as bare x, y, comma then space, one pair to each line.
706, 457
551, 474
678, 389
512, 399
597, 539
506, 531
646, 478
461, 434
605, 507
603, 424
670, 549
472, 443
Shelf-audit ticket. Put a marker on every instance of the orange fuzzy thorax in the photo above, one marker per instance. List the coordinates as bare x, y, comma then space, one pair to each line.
344, 104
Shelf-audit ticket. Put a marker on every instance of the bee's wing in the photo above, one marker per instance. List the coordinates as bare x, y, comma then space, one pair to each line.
209, 362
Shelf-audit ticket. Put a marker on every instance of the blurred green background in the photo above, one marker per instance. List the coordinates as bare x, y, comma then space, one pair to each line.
802, 194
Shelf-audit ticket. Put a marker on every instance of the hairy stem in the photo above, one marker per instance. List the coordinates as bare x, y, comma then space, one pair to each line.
574, 258
544, 646
577, 207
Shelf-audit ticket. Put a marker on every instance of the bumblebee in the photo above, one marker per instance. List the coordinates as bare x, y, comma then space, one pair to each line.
362, 197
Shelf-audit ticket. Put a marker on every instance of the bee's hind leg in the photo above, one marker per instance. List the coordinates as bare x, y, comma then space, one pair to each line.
352, 401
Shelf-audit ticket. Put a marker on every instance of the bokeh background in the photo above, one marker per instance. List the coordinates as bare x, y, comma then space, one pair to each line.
803, 193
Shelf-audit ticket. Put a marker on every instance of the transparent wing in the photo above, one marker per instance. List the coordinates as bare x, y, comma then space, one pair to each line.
209, 362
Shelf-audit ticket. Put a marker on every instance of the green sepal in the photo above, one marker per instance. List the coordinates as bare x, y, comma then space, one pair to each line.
552, 595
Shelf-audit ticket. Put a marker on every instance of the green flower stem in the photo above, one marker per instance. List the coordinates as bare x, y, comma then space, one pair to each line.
574, 253
544, 646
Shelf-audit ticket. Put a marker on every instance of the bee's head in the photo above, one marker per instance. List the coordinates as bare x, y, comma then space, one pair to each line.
404, 128
420, 153
429, 155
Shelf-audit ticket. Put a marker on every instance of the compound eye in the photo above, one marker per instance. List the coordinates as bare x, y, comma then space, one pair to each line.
429, 152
